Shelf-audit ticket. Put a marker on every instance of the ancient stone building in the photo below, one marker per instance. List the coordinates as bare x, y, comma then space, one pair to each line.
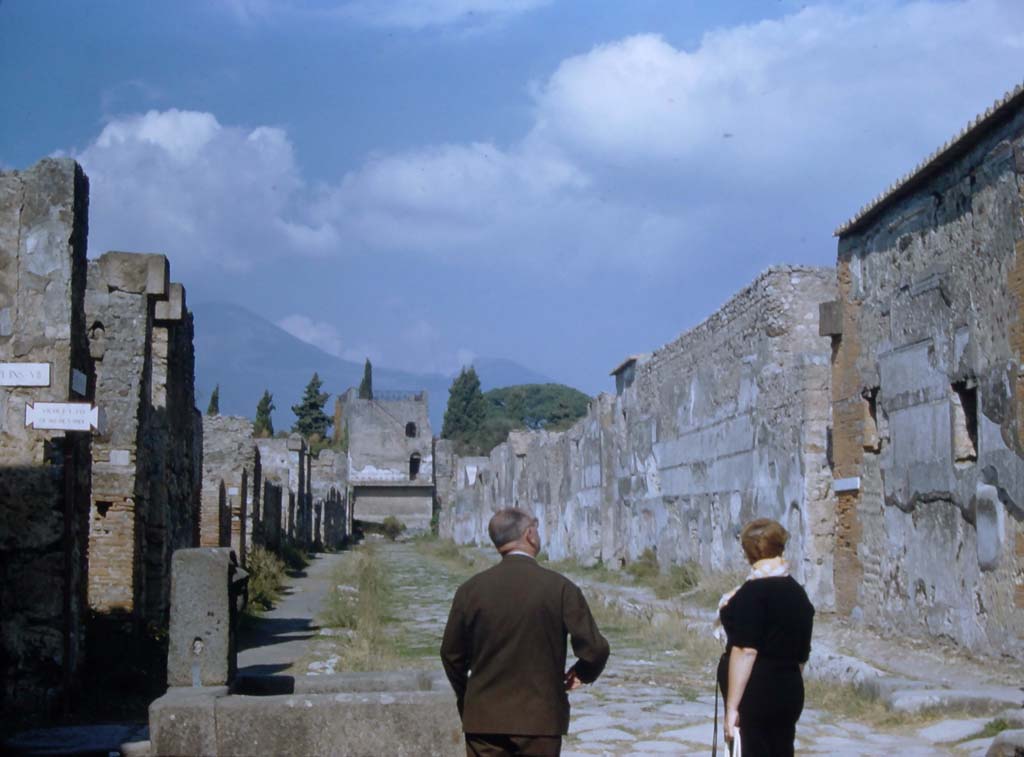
328, 484
44, 473
726, 423
928, 394
232, 483
390, 456
286, 463
144, 486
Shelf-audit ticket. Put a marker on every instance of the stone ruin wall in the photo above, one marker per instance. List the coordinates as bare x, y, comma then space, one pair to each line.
286, 464
725, 424
44, 475
232, 483
929, 401
144, 486
328, 488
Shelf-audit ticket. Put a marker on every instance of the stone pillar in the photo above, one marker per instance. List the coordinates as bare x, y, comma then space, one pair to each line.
44, 478
207, 588
271, 523
120, 302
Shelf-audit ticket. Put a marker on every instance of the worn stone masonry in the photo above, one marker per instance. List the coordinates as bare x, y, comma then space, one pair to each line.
390, 456
928, 395
727, 423
286, 463
232, 483
44, 475
328, 478
144, 485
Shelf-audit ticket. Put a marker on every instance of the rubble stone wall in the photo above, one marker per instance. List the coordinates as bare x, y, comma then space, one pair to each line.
144, 501
44, 475
928, 400
727, 423
231, 465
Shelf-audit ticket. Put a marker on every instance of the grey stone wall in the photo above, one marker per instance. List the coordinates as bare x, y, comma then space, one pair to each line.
286, 463
328, 488
727, 423
44, 475
928, 397
144, 503
232, 475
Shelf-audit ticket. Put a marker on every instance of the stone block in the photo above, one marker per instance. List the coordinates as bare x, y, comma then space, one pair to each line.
183, 721
1007, 744
172, 308
989, 520
134, 272
830, 318
398, 724
203, 613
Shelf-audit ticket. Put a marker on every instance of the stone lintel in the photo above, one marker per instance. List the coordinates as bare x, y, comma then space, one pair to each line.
136, 272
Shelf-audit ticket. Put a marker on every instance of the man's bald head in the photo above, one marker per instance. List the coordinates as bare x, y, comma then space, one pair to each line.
509, 526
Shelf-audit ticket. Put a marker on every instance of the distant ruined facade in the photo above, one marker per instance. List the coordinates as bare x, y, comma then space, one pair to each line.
390, 456
727, 423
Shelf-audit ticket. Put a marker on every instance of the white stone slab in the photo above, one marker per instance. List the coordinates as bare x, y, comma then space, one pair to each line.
24, 374
851, 484
120, 457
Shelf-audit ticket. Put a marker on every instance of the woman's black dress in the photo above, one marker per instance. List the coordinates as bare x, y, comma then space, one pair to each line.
773, 616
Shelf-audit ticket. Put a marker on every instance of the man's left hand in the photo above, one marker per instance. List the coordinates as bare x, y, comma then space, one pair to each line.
572, 681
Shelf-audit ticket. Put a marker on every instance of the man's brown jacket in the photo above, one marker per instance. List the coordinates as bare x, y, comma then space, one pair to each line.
504, 648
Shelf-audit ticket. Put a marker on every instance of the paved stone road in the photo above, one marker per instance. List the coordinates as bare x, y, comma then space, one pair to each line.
650, 701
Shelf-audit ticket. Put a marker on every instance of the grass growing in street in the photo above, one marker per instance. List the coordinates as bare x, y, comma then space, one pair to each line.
852, 703
462, 561
360, 603
663, 632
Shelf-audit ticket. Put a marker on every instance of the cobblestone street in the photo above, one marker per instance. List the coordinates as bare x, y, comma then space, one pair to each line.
657, 693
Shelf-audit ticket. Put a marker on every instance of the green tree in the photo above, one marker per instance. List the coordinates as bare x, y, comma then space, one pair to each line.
214, 407
310, 417
366, 385
466, 412
263, 426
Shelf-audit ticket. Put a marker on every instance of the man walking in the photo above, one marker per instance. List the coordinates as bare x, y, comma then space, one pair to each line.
504, 647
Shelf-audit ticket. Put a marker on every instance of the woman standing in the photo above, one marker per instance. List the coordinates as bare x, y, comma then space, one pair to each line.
767, 621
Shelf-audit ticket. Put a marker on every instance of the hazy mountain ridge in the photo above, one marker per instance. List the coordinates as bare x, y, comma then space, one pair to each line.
245, 353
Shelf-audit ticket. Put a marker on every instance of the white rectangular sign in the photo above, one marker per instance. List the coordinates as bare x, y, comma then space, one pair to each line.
24, 374
63, 416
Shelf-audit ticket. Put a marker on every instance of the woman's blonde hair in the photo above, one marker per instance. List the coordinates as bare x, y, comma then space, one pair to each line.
763, 538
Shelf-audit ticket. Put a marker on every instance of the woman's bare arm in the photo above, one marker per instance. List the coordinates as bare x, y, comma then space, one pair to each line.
741, 662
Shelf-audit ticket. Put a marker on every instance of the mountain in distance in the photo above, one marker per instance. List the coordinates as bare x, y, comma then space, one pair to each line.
244, 353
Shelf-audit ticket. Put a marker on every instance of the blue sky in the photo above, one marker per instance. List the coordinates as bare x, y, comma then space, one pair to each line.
421, 181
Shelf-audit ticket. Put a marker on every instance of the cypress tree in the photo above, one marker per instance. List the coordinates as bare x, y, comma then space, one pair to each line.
466, 412
366, 385
214, 407
310, 417
263, 426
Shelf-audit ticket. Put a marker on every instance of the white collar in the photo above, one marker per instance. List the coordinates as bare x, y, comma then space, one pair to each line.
520, 552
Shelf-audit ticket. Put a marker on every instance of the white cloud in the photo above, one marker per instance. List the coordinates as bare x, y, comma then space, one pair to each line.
182, 183
640, 151
318, 333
